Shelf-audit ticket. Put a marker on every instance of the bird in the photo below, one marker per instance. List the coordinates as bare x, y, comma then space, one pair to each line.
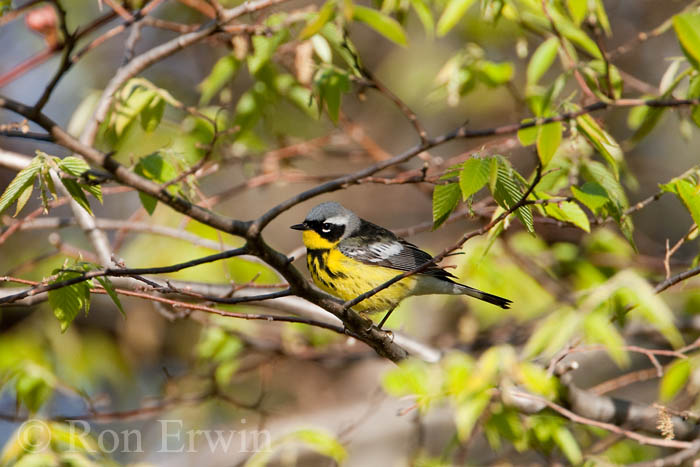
348, 256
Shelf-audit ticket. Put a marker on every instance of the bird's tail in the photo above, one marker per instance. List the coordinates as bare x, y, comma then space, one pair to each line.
487, 297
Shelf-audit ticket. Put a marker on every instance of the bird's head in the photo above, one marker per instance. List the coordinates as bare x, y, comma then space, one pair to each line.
327, 224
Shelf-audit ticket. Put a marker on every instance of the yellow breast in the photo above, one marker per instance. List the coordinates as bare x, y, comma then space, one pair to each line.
347, 278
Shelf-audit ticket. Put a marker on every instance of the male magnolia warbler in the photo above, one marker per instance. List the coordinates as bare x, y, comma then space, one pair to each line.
348, 256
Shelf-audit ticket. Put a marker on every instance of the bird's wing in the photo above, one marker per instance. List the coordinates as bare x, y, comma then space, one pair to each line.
377, 246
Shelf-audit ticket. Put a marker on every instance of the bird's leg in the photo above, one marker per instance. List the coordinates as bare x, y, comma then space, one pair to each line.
386, 316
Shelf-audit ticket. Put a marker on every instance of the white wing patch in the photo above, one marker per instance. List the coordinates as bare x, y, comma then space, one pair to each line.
385, 251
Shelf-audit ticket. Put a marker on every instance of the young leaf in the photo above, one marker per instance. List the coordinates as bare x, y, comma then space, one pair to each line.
593, 196
152, 114
674, 379
23, 181
599, 329
468, 413
690, 195
445, 199
474, 175
67, 301
577, 9
221, 73
507, 193
112, 292
568, 445
548, 140
602, 141
74, 166
569, 211
542, 59
76, 193
23, 198
425, 16
687, 26
263, 49
454, 11
318, 21
383, 24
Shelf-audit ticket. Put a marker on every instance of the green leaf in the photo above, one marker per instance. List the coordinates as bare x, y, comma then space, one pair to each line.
23, 198
568, 445
569, 211
383, 24
674, 379
694, 93
548, 140
577, 9
263, 49
323, 443
602, 17
689, 193
542, 60
553, 333
445, 199
156, 168
152, 114
507, 193
495, 74
454, 11
536, 379
331, 84
528, 135
32, 387
132, 100
77, 193
595, 171
601, 141
24, 180
221, 73
107, 284
314, 25
425, 16
468, 413
687, 26
74, 166
592, 195
66, 302
599, 329
474, 175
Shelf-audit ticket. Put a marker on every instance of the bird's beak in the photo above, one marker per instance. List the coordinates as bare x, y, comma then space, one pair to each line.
299, 227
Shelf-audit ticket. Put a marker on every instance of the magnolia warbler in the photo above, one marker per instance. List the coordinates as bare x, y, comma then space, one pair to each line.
348, 256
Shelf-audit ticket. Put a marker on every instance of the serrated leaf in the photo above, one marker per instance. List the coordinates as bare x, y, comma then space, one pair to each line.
445, 199
597, 172
601, 141
76, 193
542, 60
507, 193
23, 198
687, 26
675, 378
66, 302
107, 284
383, 24
425, 16
314, 25
548, 141
74, 166
24, 179
474, 176
454, 11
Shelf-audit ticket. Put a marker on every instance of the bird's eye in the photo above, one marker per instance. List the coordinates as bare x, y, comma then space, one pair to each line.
326, 227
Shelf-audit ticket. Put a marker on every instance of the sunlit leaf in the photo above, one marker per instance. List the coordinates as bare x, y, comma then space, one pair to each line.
23, 181
474, 176
548, 139
674, 379
445, 199
454, 11
687, 26
383, 24
542, 60
318, 21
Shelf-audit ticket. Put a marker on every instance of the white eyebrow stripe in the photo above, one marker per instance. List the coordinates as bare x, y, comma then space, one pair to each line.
338, 220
